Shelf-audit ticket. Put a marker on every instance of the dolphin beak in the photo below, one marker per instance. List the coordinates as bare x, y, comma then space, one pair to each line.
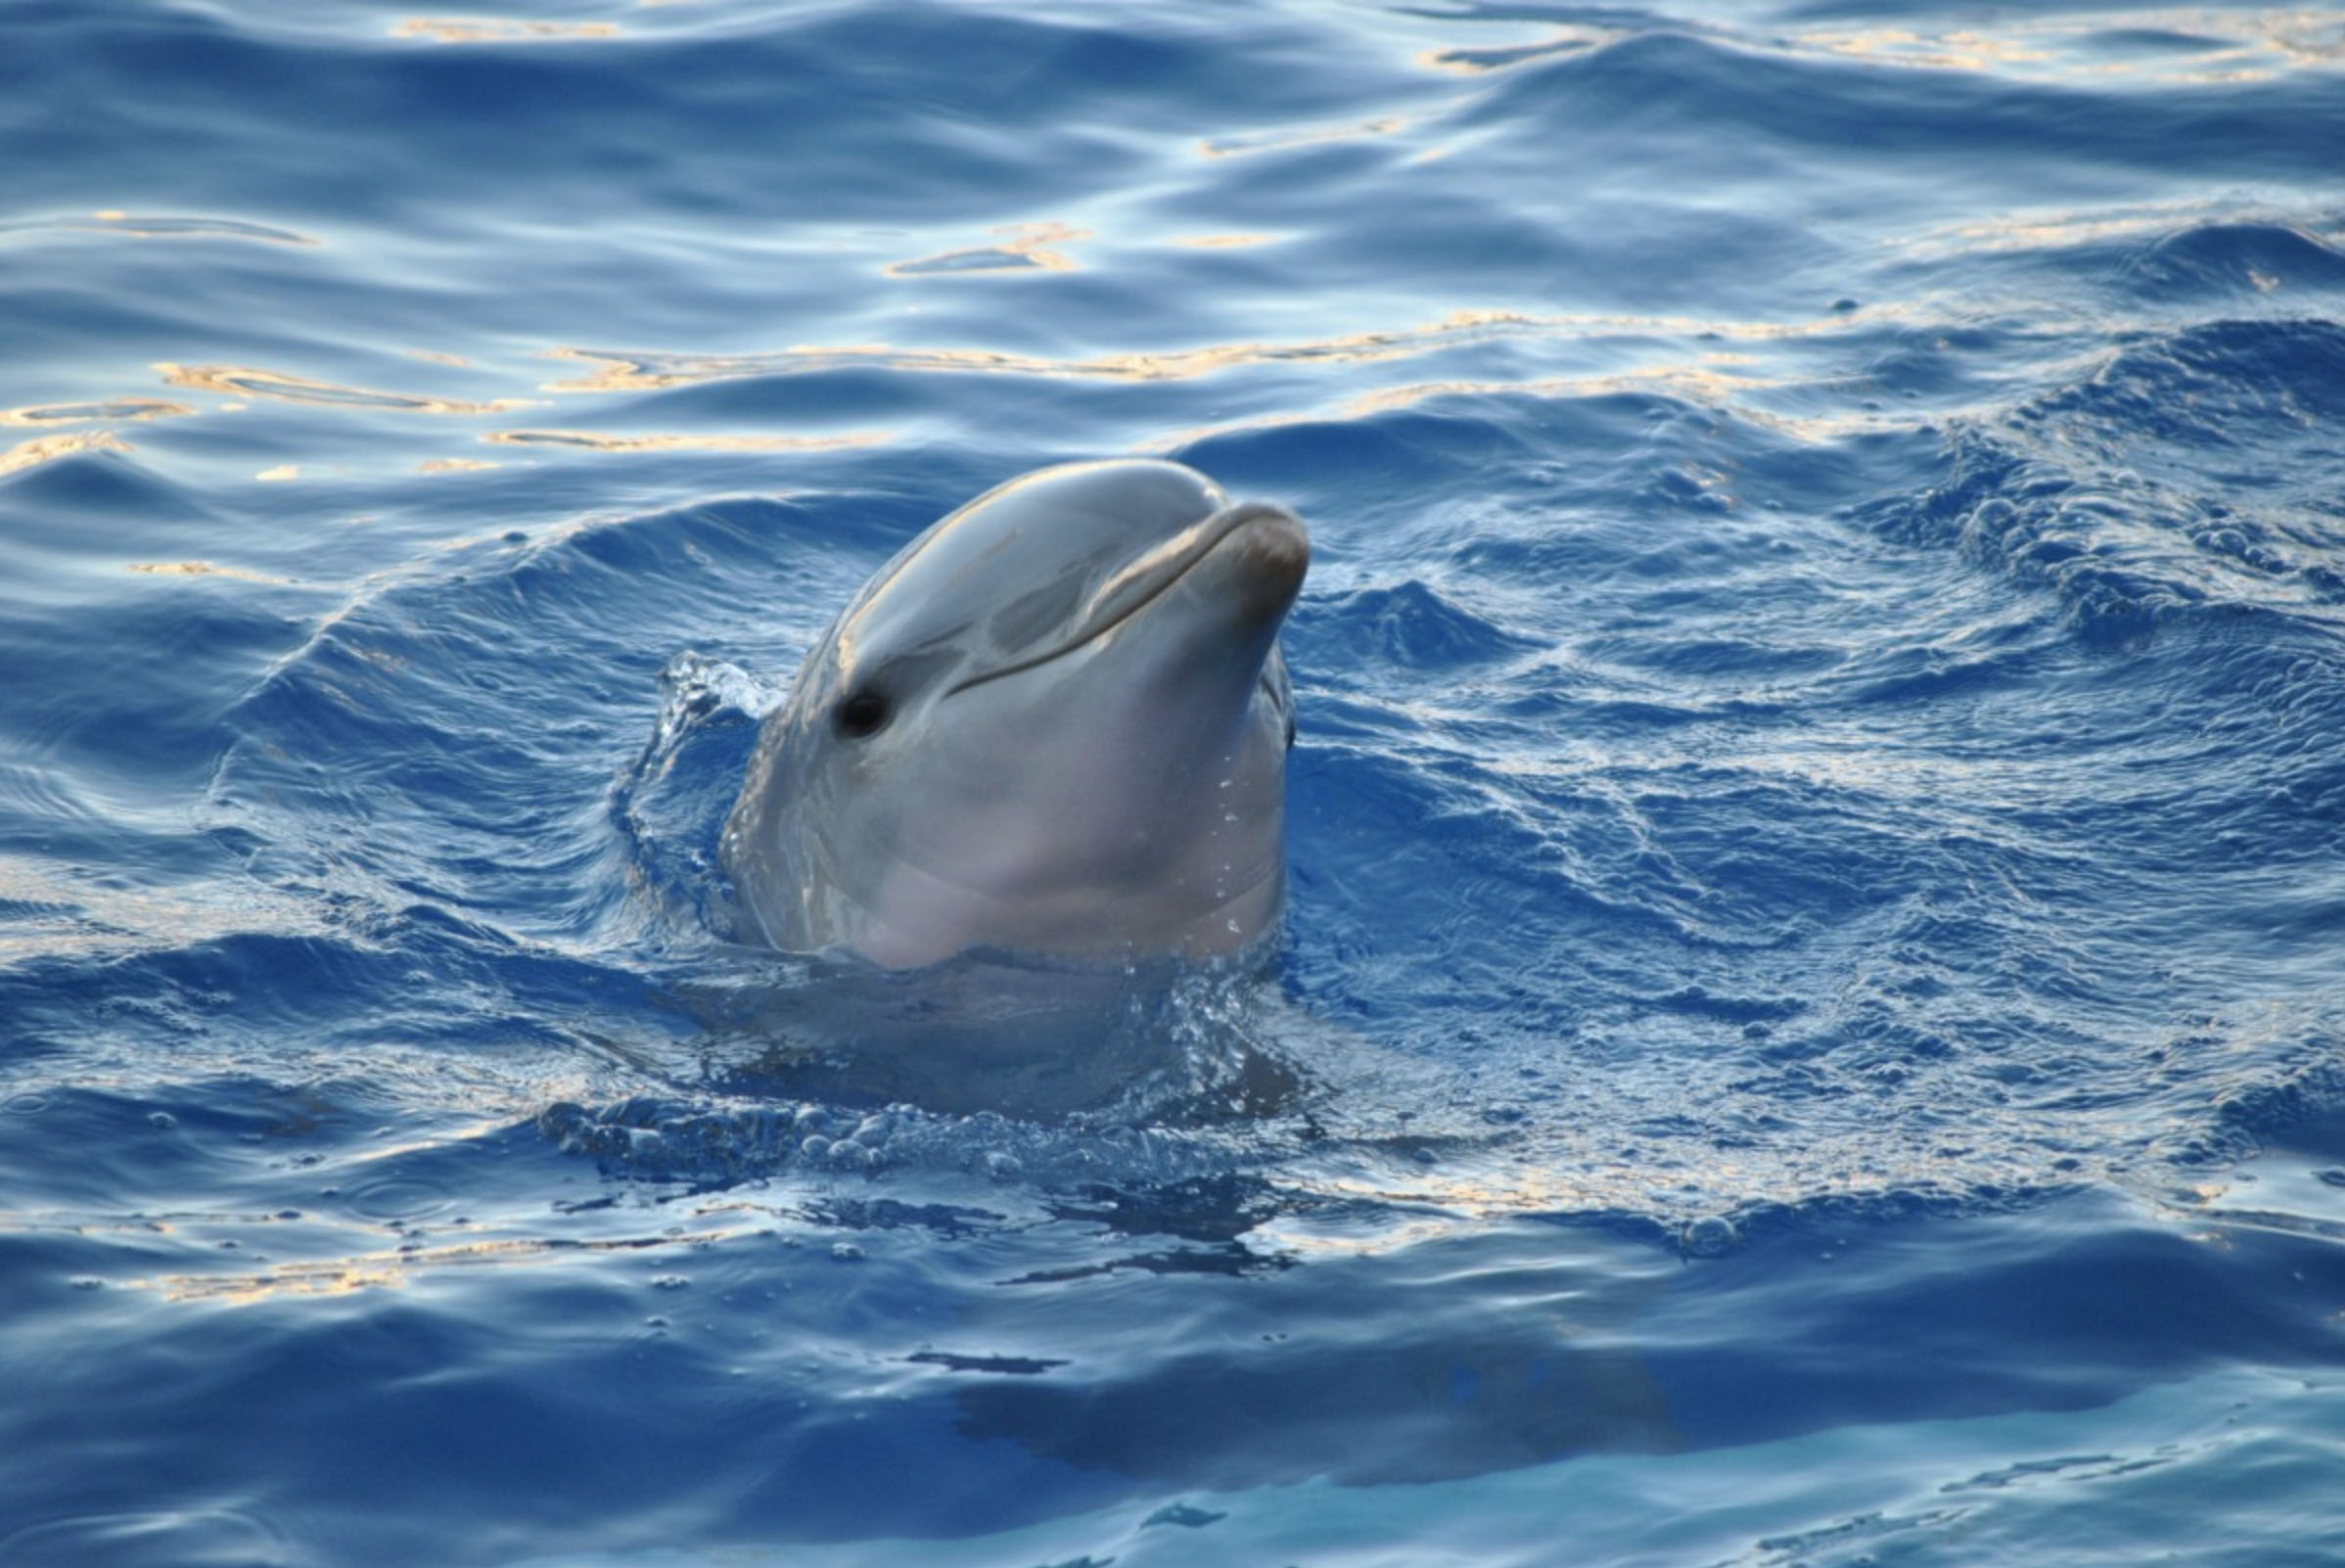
1259, 558
1252, 553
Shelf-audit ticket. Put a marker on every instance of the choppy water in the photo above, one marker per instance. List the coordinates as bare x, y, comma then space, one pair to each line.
1819, 832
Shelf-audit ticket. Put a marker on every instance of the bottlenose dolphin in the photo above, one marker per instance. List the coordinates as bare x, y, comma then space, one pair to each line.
1054, 725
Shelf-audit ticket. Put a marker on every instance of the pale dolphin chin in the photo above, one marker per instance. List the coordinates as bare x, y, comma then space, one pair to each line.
1055, 726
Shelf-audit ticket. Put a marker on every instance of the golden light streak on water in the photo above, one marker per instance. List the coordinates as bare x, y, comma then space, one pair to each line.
252, 382
204, 568
2183, 45
653, 372
395, 1269
1714, 381
51, 448
470, 29
112, 408
2054, 229
1024, 248
1564, 40
593, 441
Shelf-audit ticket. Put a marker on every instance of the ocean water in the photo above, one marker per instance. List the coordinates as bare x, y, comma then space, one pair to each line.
1812, 1015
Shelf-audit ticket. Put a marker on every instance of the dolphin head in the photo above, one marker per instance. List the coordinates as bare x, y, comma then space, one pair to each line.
1055, 725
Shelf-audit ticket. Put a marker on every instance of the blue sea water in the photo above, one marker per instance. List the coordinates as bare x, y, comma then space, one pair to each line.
1813, 975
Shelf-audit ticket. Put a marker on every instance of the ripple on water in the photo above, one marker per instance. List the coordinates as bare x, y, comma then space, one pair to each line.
194, 1537
397, 1198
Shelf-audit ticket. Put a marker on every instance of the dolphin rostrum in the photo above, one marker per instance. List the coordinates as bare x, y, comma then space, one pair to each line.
1055, 726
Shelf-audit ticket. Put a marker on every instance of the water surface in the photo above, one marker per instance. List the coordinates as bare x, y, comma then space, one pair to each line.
1811, 970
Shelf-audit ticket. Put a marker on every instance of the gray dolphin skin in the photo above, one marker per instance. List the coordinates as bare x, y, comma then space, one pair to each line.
1055, 725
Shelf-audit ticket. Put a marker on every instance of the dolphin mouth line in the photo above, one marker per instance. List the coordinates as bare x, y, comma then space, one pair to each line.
1141, 583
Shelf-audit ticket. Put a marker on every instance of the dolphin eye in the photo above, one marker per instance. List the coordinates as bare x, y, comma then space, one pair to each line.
862, 714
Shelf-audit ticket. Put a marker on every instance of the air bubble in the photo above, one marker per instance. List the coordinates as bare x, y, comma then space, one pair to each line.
1709, 1237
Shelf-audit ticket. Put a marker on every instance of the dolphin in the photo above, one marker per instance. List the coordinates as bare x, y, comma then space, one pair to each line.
1053, 727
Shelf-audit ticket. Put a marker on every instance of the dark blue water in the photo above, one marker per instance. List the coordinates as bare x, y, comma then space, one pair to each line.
1815, 978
